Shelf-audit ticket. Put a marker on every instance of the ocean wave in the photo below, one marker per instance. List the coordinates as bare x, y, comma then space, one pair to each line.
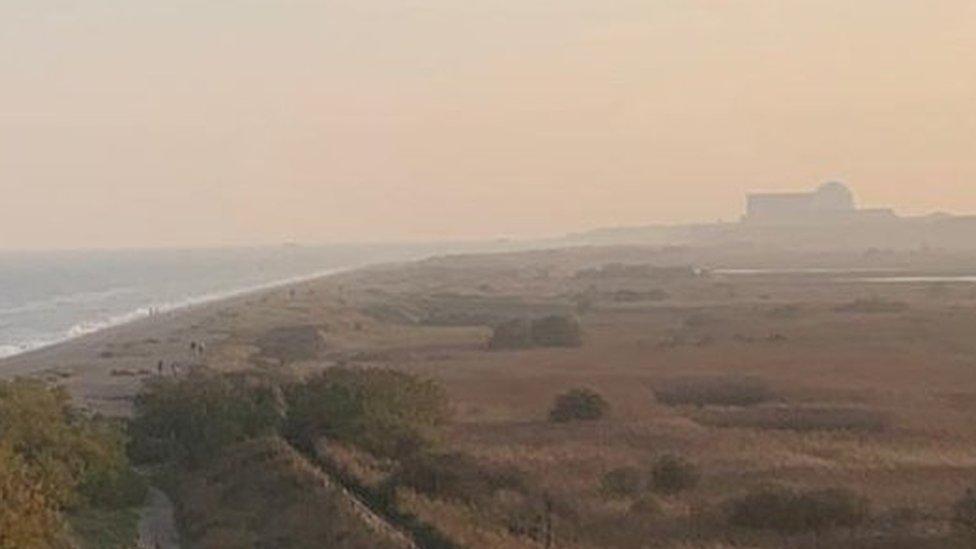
70, 299
10, 350
146, 311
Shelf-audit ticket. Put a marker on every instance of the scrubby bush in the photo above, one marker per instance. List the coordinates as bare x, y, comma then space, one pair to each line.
550, 331
192, 419
55, 459
964, 513
789, 511
557, 331
800, 418
672, 474
622, 482
726, 390
456, 476
578, 405
514, 334
387, 412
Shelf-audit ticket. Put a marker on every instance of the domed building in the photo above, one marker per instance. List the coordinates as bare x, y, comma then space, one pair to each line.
831, 202
833, 197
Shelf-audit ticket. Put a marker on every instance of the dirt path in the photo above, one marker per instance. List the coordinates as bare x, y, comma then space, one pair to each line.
157, 527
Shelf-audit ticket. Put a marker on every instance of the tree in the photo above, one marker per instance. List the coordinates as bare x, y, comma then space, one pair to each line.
384, 411
192, 419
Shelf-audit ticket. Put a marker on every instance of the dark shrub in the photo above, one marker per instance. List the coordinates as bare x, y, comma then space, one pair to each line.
387, 412
671, 474
788, 511
622, 482
578, 405
514, 334
726, 390
799, 418
455, 476
964, 512
557, 331
193, 418
550, 331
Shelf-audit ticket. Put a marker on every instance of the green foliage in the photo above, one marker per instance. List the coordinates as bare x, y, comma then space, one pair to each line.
97, 528
557, 331
192, 419
622, 482
788, 511
29, 514
387, 412
578, 405
54, 459
456, 476
514, 334
550, 331
671, 474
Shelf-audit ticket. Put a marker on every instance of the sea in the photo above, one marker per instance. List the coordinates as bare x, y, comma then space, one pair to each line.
51, 297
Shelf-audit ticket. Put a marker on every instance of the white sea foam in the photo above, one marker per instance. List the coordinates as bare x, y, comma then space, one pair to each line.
145, 311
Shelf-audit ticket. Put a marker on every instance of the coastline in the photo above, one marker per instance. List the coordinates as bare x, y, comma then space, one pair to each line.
150, 310
105, 381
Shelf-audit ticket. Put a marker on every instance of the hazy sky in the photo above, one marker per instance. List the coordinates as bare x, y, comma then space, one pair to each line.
174, 122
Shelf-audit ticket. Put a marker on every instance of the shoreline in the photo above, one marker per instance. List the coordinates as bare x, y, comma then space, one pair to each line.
145, 312
104, 369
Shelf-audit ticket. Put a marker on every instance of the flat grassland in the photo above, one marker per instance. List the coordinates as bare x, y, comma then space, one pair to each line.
866, 386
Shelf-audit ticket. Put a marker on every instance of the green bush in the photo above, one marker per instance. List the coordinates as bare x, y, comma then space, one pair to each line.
672, 474
557, 331
514, 334
578, 405
550, 331
387, 412
192, 419
787, 511
622, 482
456, 476
55, 459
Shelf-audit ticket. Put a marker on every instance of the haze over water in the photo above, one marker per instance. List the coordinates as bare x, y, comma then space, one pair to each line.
47, 297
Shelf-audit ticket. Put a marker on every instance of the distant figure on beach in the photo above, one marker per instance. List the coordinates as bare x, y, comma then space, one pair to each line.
159, 367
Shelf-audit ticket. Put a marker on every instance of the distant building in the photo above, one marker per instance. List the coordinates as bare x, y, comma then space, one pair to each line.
830, 203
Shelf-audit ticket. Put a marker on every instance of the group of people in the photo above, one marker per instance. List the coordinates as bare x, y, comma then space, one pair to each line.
197, 350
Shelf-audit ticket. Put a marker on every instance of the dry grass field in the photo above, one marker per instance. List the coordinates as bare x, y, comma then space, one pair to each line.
804, 375
867, 386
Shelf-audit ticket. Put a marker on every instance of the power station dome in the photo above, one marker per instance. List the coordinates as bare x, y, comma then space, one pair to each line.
833, 196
